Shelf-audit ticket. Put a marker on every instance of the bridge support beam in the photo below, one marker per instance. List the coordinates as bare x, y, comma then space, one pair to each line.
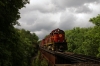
52, 59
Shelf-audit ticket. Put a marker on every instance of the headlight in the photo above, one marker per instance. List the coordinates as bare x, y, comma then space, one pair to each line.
60, 35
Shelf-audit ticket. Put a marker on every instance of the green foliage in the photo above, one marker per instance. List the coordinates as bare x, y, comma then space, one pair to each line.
16, 46
85, 40
30, 44
95, 20
19, 50
9, 13
39, 61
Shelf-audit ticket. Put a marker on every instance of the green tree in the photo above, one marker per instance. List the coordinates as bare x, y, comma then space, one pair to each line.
95, 20
30, 42
85, 40
96, 32
11, 49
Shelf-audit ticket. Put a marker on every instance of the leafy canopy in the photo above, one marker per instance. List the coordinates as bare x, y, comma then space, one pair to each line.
95, 20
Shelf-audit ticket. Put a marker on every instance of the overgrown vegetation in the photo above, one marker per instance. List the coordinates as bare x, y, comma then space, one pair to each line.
17, 47
85, 40
39, 61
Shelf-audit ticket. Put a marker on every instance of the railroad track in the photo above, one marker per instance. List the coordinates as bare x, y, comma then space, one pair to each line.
88, 58
79, 58
74, 58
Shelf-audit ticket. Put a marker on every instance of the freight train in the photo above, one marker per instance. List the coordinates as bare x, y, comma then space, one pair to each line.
55, 41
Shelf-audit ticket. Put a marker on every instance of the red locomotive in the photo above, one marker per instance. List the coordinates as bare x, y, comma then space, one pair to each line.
55, 41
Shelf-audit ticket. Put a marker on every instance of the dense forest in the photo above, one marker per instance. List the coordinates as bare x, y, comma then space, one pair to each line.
17, 46
85, 40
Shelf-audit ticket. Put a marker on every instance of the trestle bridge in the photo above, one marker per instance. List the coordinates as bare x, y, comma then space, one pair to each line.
55, 58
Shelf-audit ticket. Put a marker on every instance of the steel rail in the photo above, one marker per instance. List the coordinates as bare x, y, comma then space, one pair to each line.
75, 58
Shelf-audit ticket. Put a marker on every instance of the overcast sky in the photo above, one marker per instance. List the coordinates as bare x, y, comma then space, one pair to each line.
42, 16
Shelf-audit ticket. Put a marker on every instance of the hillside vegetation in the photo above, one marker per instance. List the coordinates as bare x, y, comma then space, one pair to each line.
85, 40
17, 46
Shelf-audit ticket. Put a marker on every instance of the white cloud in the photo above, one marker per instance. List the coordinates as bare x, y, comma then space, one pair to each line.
42, 16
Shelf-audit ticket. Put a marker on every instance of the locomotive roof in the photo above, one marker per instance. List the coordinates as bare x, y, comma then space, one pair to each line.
57, 30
